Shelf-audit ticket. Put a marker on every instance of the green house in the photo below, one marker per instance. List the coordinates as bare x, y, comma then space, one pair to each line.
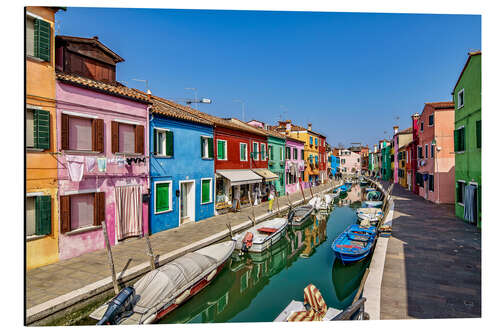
467, 136
276, 163
385, 163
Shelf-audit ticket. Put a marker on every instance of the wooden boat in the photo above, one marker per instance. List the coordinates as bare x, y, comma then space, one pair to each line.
371, 214
300, 214
354, 243
372, 204
264, 235
164, 289
343, 189
373, 195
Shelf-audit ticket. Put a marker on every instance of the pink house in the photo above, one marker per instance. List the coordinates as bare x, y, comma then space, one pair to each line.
294, 166
435, 159
350, 162
102, 150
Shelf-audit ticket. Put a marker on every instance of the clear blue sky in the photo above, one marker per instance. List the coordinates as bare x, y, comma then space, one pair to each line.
350, 74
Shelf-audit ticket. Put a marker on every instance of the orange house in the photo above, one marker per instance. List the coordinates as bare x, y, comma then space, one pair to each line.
41, 164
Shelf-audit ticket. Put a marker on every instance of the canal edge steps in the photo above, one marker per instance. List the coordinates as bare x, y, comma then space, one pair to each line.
77, 299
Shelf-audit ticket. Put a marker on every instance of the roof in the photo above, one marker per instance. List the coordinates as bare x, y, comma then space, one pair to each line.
288, 137
471, 54
295, 128
406, 131
111, 89
442, 105
263, 130
95, 42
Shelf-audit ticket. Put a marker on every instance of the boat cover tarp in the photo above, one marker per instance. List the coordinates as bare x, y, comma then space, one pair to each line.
160, 284
240, 177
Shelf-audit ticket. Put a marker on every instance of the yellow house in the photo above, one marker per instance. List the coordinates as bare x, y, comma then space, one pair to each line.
311, 147
41, 164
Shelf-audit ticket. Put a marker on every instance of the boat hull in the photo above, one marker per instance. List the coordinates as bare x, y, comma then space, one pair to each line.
267, 243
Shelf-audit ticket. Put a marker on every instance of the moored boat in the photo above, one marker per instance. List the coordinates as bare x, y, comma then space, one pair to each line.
300, 214
371, 214
354, 243
164, 289
372, 204
261, 236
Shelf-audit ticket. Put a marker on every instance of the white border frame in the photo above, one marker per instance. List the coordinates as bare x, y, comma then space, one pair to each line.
225, 150
154, 133
263, 150
461, 91
207, 157
211, 191
180, 199
170, 197
246, 153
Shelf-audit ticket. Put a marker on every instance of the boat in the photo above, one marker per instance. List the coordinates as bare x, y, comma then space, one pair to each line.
372, 204
369, 189
354, 243
300, 214
320, 203
164, 289
363, 182
336, 192
373, 215
373, 195
261, 236
343, 189
316, 309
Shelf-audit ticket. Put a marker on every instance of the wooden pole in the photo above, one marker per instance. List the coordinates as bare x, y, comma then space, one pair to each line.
361, 286
278, 202
228, 225
253, 221
150, 253
289, 202
302, 190
110, 258
311, 189
253, 213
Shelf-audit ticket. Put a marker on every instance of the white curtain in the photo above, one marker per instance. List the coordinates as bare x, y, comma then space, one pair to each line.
128, 211
469, 206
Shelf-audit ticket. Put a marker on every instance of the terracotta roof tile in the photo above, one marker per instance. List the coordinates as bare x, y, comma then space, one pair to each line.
108, 88
442, 105
171, 109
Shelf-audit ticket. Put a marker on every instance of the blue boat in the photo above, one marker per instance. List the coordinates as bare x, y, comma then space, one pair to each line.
354, 243
343, 189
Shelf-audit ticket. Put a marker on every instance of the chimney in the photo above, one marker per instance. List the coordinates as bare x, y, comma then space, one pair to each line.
374, 148
309, 127
95, 37
395, 129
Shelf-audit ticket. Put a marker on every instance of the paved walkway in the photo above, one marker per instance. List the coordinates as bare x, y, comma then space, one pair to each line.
433, 262
48, 282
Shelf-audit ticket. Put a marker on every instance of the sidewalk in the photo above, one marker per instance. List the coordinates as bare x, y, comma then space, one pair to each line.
75, 279
433, 262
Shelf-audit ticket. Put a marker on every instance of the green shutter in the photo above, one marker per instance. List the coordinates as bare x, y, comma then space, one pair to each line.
478, 134
220, 150
42, 39
41, 127
205, 191
462, 139
210, 147
43, 208
271, 152
169, 137
201, 145
162, 197
455, 134
242, 152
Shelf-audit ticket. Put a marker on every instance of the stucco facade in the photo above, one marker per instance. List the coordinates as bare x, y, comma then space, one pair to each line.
294, 164
350, 162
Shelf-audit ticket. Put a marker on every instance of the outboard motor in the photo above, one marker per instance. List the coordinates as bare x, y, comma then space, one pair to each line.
246, 242
118, 306
291, 215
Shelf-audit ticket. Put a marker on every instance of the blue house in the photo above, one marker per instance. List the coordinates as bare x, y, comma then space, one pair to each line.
334, 162
181, 166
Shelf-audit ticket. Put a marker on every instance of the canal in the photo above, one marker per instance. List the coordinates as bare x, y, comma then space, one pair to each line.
256, 287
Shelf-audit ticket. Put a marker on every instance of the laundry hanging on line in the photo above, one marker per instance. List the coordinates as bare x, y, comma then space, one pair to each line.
101, 164
75, 167
90, 161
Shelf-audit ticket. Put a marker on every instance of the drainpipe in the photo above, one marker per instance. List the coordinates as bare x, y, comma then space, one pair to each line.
149, 173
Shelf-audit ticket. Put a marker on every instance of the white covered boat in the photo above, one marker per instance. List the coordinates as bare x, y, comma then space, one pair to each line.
371, 214
300, 214
321, 202
261, 236
162, 290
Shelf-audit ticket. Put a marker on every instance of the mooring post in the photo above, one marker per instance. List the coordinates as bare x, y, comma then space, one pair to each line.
228, 225
150, 253
311, 189
289, 202
278, 202
110, 258
253, 214
253, 221
302, 190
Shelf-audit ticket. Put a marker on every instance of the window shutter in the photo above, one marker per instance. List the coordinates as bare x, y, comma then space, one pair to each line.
205, 191
99, 208
201, 145
64, 131
98, 135
169, 138
115, 147
139, 139
43, 217
462, 139
42, 39
210, 147
65, 211
41, 125
242, 153
455, 137
478, 134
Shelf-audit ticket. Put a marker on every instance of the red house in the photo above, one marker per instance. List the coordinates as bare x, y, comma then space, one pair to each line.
412, 153
323, 175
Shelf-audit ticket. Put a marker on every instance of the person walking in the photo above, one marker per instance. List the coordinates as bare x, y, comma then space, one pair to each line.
236, 199
270, 199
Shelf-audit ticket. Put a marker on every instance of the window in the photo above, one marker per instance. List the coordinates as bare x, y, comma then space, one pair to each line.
421, 126
82, 210
287, 153
127, 138
419, 152
295, 153
82, 133
222, 150
302, 154
310, 140
37, 129
207, 147
459, 136
431, 120
282, 180
271, 152
38, 215
243, 152
255, 153
163, 197
263, 151
315, 141
460, 188
80, 130
281, 154
358, 160
426, 151
206, 190
431, 183
342, 161
38, 38
460, 99
163, 144
432, 151
478, 134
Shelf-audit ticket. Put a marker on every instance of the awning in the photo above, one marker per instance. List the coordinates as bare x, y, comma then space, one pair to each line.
266, 174
240, 177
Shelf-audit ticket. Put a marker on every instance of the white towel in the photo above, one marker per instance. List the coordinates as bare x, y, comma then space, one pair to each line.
75, 167
91, 163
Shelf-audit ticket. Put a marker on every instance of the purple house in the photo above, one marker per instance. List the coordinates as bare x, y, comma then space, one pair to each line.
102, 151
294, 164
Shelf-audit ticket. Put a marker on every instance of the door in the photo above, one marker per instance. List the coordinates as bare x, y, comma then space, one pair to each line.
187, 201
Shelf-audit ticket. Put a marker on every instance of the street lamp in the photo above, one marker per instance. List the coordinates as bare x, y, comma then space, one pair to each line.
242, 108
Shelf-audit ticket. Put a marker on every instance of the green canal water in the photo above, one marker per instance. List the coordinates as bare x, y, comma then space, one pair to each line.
257, 287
